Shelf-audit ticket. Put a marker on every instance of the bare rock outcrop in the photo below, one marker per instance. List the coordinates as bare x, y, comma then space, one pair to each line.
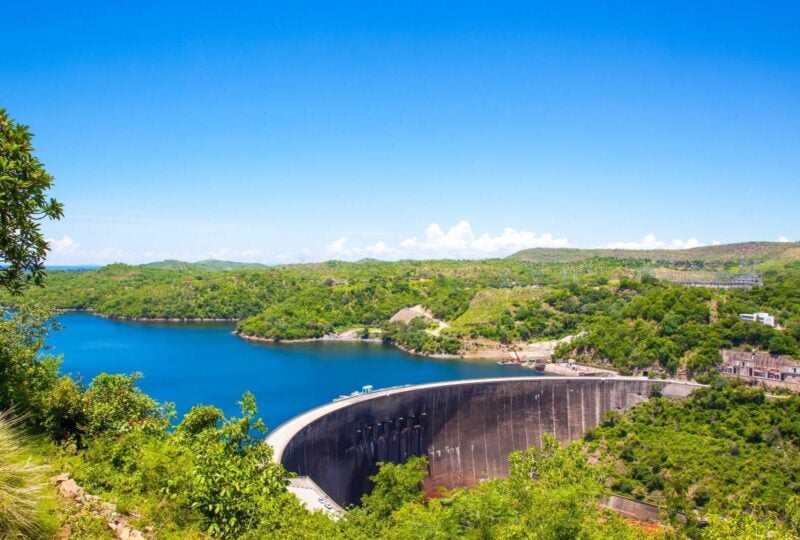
117, 523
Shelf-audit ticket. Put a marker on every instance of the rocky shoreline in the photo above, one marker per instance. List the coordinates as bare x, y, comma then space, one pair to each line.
326, 338
348, 336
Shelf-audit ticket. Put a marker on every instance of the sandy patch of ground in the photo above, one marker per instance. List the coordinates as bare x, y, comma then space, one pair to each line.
406, 315
576, 370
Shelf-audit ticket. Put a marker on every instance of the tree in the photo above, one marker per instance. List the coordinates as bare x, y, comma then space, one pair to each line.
113, 404
23, 204
395, 485
24, 375
781, 344
234, 478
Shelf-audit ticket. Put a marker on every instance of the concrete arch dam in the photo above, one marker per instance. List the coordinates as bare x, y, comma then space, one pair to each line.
466, 428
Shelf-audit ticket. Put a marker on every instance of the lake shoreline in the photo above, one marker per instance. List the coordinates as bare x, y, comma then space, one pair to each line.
346, 337
326, 338
197, 363
146, 319
342, 337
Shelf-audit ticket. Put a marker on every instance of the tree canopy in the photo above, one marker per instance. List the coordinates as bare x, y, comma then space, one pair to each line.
24, 203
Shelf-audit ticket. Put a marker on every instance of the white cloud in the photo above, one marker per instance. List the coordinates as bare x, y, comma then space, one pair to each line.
66, 251
340, 249
155, 255
783, 239
337, 246
63, 245
459, 241
651, 242
234, 254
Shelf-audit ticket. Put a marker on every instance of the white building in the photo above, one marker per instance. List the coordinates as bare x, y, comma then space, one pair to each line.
763, 318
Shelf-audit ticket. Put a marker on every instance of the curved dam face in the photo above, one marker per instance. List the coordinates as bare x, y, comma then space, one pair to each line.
466, 428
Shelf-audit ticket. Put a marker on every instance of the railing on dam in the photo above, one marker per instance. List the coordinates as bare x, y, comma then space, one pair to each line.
466, 428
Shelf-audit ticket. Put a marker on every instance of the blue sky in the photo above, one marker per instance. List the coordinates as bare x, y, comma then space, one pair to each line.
282, 132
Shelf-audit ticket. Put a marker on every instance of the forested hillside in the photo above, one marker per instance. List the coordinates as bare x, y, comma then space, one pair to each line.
727, 455
622, 317
747, 252
720, 450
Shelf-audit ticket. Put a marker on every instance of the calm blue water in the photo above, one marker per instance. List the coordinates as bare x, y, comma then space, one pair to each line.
203, 363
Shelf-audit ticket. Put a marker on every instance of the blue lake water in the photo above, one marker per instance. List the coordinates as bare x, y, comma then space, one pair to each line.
203, 363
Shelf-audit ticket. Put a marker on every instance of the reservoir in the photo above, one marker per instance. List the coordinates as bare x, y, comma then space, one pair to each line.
193, 363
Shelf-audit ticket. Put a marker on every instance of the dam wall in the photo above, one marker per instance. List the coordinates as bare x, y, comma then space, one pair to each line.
466, 428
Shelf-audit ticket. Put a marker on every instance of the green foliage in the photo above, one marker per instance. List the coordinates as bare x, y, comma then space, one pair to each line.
124, 291
566, 492
519, 313
23, 204
416, 336
746, 526
114, 404
394, 486
211, 474
57, 404
724, 449
283, 516
335, 295
213, 265
551, 493
61, 412
649, 324
353, 297
198, 419
23, 376
234, 474
631, 324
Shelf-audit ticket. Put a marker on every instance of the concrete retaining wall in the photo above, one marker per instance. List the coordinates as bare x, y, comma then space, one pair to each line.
633, 508
466, 428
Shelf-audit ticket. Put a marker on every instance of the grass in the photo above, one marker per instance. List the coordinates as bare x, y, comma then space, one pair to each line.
23, 485
488, 305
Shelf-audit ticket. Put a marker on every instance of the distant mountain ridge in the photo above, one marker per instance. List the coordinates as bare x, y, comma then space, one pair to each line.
756, 252
72, 267
212, 265
742, 251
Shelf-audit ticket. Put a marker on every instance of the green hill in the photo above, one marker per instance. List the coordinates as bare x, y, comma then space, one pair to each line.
741, 252
211, 265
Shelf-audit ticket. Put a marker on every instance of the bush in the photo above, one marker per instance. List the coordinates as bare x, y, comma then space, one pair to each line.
113, 403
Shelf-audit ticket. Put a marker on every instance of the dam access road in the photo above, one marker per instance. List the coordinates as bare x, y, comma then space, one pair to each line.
466, 428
